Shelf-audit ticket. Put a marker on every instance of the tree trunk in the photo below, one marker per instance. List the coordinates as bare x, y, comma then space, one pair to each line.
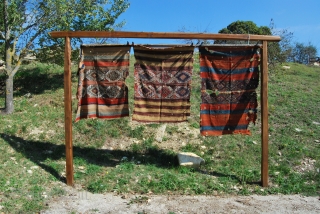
9, 108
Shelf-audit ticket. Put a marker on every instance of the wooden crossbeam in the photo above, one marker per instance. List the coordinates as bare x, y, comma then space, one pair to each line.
161, 35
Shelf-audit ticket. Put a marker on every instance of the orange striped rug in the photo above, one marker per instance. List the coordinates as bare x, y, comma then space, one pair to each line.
229, 77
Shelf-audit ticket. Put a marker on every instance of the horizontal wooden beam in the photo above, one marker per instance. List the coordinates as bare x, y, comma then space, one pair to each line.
162, 35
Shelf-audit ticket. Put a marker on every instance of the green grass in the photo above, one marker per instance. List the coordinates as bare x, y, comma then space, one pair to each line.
33, 152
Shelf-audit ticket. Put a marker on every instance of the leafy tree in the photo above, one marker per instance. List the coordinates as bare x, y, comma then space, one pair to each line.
277, 51
24, 24
302, 53
243, 27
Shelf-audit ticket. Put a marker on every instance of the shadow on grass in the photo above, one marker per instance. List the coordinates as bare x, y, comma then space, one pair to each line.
37, 152
33, 80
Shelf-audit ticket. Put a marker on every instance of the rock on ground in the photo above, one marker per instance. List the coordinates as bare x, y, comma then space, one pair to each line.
190, 159
160, 132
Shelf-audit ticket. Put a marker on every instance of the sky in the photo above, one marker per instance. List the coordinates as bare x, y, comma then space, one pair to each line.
301, 17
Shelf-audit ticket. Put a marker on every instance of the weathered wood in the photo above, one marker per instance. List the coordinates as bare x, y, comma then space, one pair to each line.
68, 112
264, 116
161, 35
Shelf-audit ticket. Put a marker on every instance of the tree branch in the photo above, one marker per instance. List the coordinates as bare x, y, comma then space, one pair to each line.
16, 68
32, 39
5, 16
23, 53
2, 36
27, 28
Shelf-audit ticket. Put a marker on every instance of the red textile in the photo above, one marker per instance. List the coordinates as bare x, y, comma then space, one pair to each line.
230, 75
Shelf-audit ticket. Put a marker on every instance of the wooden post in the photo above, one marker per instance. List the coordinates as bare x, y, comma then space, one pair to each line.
264, 115
68, 111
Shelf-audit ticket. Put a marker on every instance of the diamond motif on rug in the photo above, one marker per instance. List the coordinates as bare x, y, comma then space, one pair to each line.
148, 91
166, 92
166, 77
183, 92
145, 76
217, 85
113, 75
101, 74
112, 91
223, 98
183, 77
93, 91
91, 74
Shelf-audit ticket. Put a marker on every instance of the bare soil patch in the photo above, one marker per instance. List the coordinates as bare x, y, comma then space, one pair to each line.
84, 202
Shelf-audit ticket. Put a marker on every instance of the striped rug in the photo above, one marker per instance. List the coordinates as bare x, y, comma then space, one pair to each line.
162, 84
229, 78
102, 92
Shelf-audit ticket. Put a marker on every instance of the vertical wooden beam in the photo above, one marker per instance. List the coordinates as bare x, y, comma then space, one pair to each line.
264, 115
68, 111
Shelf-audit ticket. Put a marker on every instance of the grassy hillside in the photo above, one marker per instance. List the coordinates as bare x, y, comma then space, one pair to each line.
122, 156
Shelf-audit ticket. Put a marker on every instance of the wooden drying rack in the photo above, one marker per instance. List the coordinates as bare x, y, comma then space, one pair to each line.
163, 35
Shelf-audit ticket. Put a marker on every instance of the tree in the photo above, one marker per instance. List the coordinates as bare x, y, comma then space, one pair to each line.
302, 53
184, 29
25, 24
243, 27
277, 51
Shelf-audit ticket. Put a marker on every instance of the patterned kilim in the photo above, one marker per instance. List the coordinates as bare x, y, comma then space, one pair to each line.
229, 78
162, 84
102, 92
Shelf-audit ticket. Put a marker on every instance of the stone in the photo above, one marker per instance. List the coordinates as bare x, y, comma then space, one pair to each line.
316, 123
28, 95
190, 159
124, 158
286, 67
34, 167
160, 133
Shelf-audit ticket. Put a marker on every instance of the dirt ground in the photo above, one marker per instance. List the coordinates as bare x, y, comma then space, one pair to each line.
84, 202
180, 137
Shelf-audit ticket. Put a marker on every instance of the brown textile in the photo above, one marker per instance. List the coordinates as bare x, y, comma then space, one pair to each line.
102, 92
162, 84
